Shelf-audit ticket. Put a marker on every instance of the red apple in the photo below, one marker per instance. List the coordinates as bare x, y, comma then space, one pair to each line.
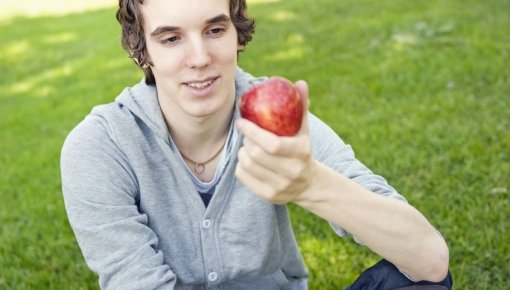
274, 105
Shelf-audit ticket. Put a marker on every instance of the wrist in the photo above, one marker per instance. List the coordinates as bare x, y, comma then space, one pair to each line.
315, 189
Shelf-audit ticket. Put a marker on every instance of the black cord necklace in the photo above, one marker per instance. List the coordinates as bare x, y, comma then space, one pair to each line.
200, 166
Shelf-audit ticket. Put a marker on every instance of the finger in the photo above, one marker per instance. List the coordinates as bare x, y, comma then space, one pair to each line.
250, 181
254, 165
255, 133
302, 87
273, 165
256, 168
260, 157
295, 146
261, 188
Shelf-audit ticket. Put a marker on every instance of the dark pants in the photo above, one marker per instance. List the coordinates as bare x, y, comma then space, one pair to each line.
385, 276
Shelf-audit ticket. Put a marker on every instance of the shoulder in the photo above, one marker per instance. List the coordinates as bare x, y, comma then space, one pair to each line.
97, 125
102, 122
96, 134
245, 80
91, 155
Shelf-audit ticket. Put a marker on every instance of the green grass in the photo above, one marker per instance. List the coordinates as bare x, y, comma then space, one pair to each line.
419, 88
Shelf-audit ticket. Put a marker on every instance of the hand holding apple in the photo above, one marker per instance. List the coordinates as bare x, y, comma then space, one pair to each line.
275, 105
278, 169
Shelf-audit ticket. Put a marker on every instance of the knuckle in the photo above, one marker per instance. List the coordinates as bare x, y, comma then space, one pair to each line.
246, 162
274, 147
303, 169
241, 152
245, 158
270, 193
241, 172
285, 184
256, 153
241, 175
306, 151
238, 172
296, 171
241, 155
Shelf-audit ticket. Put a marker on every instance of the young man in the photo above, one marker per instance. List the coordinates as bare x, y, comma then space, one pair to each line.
168, 188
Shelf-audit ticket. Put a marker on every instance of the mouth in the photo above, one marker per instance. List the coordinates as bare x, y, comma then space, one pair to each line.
201, 84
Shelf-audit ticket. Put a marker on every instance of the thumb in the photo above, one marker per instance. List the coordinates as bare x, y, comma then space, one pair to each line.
302, 88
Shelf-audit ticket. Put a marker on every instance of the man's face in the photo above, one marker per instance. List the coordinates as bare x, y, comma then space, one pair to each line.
193, 48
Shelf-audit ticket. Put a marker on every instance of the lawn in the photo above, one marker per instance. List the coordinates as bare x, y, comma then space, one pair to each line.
420, 89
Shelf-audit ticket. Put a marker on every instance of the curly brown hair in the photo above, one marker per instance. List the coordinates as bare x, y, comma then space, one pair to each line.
130, 18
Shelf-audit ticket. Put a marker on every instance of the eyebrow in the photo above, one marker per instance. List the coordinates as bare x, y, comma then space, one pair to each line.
164, 29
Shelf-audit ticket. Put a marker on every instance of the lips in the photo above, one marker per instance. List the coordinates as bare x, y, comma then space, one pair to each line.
201, 84
201, 88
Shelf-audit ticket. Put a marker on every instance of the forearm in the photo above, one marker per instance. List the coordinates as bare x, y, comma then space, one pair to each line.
282, 170
391, 228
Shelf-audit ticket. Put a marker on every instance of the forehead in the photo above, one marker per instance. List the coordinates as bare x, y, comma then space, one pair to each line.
181, 13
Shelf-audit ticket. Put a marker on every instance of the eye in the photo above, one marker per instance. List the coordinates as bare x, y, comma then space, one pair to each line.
170, 40
216, 31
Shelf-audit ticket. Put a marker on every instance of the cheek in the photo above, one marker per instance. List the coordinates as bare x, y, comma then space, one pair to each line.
162, 60
230, 57
228, 48
227, 53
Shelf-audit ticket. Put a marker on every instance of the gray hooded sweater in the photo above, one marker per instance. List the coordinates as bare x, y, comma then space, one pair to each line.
141, 224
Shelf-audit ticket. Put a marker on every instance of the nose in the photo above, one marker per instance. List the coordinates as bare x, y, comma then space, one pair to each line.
198, 54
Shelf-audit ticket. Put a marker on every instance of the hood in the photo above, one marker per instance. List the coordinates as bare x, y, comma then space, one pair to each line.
142, 101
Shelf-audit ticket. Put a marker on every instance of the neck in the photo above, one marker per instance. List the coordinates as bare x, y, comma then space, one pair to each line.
201, 146
197, 137
199, 140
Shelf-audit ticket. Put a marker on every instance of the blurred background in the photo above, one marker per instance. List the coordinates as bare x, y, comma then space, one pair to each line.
420, 89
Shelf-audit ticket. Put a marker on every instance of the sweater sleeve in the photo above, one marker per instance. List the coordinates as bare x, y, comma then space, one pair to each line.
330, 149
100, 195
